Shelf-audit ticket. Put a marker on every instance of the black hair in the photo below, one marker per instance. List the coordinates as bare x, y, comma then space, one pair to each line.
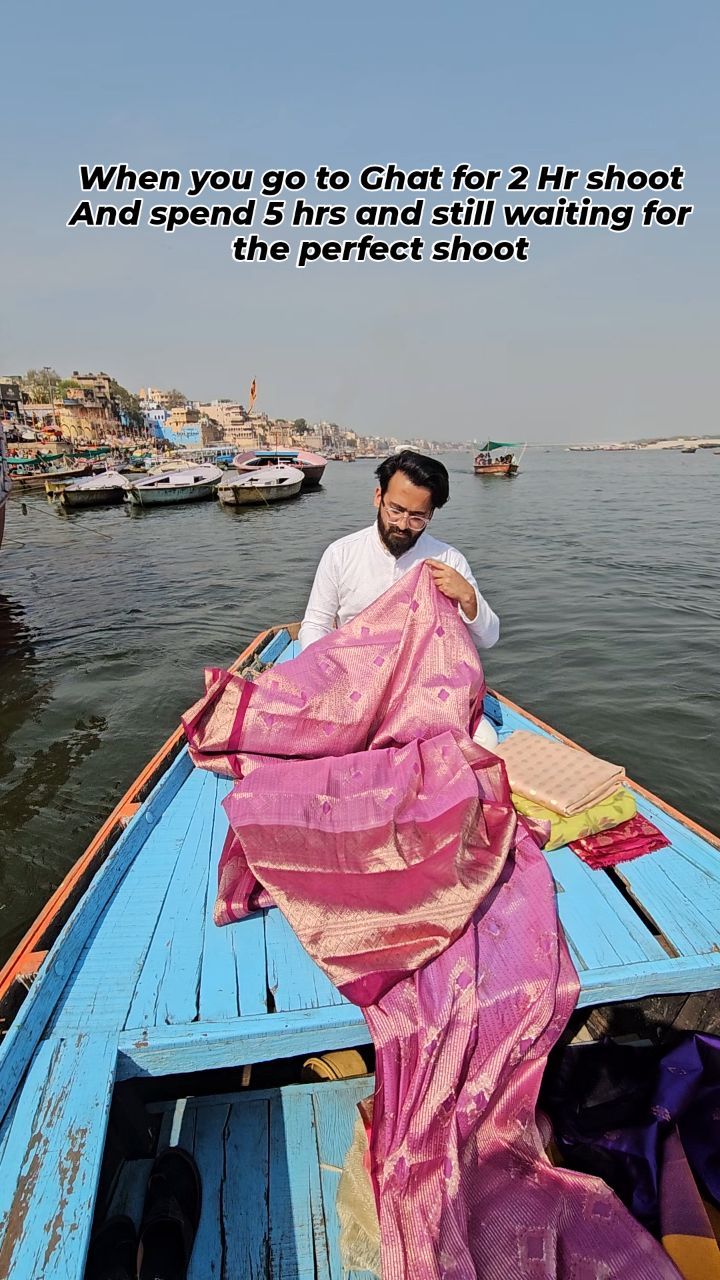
426, 473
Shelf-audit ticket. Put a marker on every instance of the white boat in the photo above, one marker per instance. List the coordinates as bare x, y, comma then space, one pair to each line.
312, 465
95, 491
268, 484
191, 484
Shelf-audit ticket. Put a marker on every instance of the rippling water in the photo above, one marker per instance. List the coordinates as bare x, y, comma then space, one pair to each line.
602, 567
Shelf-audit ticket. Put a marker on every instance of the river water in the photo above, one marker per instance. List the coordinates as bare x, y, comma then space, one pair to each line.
602, 567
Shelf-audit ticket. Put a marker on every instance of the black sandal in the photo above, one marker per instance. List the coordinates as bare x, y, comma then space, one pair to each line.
113, 1251
170, 1217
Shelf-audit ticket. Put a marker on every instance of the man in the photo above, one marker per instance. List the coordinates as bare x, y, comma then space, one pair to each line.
357, 569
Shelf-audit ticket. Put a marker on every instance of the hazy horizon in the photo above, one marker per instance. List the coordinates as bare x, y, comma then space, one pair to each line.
598, 337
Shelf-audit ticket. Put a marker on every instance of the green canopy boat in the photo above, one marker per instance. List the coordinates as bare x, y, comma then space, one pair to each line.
505, 464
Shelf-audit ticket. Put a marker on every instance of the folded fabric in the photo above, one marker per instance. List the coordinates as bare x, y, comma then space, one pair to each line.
565, 779
566, 828
628, 840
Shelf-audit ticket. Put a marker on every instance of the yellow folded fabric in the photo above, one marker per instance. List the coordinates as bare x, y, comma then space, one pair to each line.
619, 807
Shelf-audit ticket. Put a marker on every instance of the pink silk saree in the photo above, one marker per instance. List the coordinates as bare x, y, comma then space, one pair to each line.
389, 841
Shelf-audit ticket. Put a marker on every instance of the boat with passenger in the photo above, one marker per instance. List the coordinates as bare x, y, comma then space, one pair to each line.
133, 1025
312, 465
489, 461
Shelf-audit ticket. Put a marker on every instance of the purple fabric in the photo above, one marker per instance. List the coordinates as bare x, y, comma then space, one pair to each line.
613, 1106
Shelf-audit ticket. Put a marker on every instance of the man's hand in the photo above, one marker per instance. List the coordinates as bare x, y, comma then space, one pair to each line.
454, 586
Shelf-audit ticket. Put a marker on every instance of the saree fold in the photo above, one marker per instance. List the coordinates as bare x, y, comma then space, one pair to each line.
390, 842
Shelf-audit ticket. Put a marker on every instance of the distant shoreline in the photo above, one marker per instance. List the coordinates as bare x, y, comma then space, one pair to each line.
645, 446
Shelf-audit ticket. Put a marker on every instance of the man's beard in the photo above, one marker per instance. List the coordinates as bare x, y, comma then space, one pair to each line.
397, 541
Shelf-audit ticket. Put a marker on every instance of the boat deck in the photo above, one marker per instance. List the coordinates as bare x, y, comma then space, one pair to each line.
270, 1164
184, 995
141, 983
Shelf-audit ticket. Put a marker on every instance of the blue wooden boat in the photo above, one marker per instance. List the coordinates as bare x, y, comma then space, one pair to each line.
131, 1022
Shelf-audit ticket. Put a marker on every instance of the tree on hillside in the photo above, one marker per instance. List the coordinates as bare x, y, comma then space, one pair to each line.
301, 427
65, 387
39, 385
176, 399
124, 401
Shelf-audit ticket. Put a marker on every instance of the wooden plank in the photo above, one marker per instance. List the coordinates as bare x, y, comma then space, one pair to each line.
680, 896
19, 1044
601, 927
493, 709
100, 992
47, 1208
234, 974
290, 652
249, 947
196, 1046
294, 980
15, 1136
129, 1194
298, 1248
335, 1112
207, 1254
6, 1129
271, 652
246, 1229
168, 985
218, 978
653, 977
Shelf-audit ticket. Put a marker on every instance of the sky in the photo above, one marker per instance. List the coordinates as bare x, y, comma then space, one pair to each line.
598, 336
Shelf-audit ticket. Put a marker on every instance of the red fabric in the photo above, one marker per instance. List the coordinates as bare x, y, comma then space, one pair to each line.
628, 840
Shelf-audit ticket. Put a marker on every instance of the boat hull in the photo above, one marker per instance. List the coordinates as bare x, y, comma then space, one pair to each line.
169, 497
312, 465
238, 495
495, 469
312, 472
25, 484
91, 497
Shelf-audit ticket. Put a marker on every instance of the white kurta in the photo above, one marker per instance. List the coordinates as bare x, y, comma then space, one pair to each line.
357, 569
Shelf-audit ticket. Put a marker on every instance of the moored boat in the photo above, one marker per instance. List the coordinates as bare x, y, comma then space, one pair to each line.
192, 484
27, 477
99, 490
124, 997
5, 481
267, 484
312, 465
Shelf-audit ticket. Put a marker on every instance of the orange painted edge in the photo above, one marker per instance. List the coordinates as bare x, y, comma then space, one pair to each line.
636, 786
113, 826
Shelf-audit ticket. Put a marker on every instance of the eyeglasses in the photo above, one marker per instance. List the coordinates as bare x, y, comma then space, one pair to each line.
416, 523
